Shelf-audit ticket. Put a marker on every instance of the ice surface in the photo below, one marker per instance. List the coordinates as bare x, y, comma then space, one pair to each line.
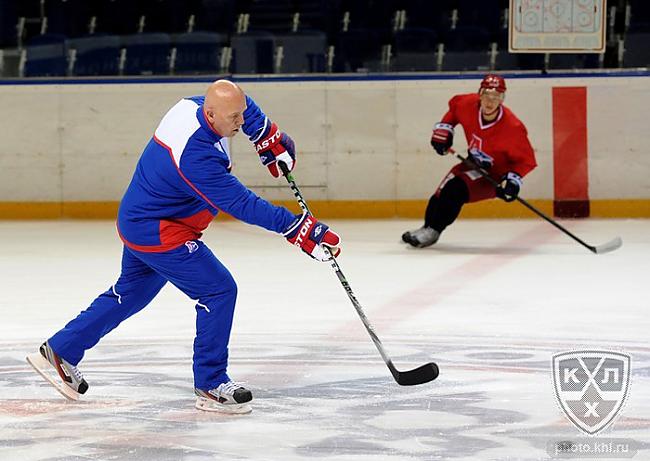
490, 303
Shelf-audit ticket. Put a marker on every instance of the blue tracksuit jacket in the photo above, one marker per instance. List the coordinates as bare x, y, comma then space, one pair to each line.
183, 179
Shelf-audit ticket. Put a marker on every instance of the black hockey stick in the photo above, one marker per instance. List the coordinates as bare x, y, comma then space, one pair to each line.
420, 375
612, 245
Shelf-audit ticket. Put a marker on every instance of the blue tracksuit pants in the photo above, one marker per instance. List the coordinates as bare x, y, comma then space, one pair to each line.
192, 268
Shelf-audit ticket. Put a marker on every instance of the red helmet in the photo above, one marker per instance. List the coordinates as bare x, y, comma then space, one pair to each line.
493, 82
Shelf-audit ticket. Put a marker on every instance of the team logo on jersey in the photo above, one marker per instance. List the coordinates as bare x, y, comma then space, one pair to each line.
591, 386
192, 246
476, 143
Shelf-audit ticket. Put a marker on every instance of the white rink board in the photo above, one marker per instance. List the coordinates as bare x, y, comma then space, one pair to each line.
356, 140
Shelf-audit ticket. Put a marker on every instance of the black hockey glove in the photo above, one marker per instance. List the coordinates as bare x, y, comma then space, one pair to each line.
480, 159
509, 188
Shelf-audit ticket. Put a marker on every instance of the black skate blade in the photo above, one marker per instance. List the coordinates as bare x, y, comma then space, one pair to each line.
420, 375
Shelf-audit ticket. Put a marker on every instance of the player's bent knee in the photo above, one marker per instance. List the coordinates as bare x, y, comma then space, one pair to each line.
226, 286
227, 282
231, 286
455, 189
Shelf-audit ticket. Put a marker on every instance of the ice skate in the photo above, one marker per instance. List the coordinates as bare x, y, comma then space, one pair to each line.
407, 237
66, 378
228, 397
422, 237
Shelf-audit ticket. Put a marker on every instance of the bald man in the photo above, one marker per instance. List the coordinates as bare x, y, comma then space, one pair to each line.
181, 182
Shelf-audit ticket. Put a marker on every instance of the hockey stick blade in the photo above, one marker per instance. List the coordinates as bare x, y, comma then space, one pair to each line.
612, 245
420, 375
600, 249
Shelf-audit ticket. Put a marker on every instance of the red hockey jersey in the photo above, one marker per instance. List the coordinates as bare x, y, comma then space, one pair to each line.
505, 139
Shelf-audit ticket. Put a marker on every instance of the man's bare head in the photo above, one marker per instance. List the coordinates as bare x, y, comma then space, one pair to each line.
224, 107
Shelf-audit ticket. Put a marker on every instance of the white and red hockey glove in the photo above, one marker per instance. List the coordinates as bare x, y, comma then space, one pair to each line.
310, 235
274, 146
442, 137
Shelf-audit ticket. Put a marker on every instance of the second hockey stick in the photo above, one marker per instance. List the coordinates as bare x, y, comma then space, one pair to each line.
612, 245
420, 375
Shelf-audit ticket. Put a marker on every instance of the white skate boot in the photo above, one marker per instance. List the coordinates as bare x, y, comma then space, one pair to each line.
228, 397
422, 237
66, 378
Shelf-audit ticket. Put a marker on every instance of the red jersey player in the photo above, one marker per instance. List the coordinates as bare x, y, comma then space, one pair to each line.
497, 141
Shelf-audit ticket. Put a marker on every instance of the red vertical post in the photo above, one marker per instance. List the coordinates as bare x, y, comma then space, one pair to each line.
570, 159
